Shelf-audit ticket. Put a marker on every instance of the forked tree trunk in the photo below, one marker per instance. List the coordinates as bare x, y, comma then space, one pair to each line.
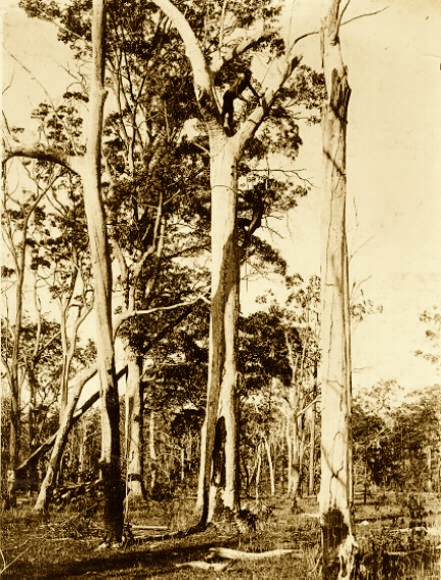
338, 543
219, 468
101, 269
218, 483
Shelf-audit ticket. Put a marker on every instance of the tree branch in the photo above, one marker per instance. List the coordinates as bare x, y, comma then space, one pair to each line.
126, 315
84, 377
358, 17
279, 74
252, 38
201, 75
44, 154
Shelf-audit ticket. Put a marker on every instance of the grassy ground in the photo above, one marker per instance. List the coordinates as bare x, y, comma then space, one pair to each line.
65, 544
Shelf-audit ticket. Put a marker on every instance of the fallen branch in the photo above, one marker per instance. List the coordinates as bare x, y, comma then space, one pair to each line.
201, 565
230, 554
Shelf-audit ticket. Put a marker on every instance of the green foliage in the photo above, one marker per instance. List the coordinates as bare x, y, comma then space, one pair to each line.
399, 443
263, 352
61, 126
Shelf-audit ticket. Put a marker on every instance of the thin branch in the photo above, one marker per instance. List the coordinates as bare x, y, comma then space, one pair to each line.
316, 32
374, 13
44, 154
342, 13
313, 402
123, 317
222, 28
253, 38
48, 96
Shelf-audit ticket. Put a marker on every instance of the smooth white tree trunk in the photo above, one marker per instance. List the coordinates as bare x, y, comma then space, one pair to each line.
270, 466
101, 270
218, 484
338, 543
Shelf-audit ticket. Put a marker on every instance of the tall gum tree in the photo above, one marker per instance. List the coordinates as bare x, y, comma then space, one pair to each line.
338, 542
145, 131
218, 482
88, 167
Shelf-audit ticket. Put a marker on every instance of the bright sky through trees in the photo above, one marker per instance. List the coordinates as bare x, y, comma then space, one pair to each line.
394, 165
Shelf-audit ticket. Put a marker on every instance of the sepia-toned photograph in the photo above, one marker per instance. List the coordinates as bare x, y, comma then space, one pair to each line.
220, 289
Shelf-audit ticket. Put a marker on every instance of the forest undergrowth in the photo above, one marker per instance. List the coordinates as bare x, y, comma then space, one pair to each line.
399, 537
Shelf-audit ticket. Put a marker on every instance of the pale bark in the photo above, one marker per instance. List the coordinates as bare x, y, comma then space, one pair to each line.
44, 153
219, 477
295, 431
270, 466
134, 429
258, 470
14, 368
338, 542
311, 467
15, 382
218, 482
60, 441
85, 376
230, 554
89, 168
101, 269
152, 451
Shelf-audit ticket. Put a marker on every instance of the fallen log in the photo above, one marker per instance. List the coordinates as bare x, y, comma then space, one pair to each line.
230, 554
202, 565
152, 527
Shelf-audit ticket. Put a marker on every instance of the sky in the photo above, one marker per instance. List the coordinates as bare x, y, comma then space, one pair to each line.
393, 166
